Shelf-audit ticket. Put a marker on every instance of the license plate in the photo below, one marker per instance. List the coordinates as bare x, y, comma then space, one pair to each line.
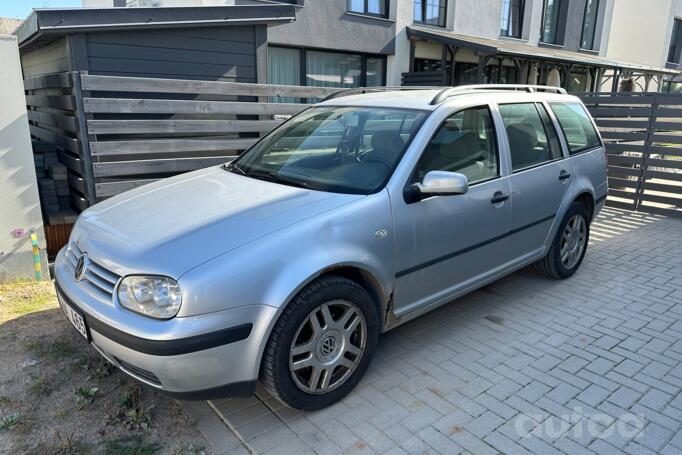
74, 316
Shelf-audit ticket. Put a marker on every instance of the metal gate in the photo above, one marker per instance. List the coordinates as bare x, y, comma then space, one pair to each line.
643, 136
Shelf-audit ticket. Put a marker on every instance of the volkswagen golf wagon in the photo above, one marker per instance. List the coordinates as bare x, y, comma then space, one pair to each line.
358, 214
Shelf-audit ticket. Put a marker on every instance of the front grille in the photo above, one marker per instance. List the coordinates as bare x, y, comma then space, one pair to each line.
98, 278
137, 371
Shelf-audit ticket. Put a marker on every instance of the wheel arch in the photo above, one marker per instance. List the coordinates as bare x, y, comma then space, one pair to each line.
586, 198
380, 291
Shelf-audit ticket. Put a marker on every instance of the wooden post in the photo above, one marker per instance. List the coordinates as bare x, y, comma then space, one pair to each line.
453, 53
643, 164
444, 63
412, 52
482, 64
83, 137
616, 80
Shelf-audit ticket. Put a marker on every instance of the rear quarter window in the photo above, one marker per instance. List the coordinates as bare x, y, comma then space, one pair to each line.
576, 126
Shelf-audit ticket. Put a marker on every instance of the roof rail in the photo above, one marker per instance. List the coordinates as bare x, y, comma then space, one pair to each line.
362, 90
448, 92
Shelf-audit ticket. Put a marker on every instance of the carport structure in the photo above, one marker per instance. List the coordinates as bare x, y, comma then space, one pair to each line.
469, 59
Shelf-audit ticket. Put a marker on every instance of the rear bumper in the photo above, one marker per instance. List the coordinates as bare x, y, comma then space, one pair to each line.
199, 357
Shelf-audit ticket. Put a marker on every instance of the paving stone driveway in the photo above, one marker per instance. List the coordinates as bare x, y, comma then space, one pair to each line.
588, 365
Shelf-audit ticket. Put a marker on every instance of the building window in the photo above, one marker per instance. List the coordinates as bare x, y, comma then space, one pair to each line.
589, 24
430, 12
511, 23
377, 8
674, 49
331, 69
314, 68
550, 21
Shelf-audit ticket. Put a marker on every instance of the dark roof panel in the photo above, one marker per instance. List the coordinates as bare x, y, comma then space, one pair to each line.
62, 21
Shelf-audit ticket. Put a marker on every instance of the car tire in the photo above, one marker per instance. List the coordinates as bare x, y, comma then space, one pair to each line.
308, 366
573, 234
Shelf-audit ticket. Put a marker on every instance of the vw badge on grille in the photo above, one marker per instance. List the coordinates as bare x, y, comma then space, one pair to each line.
81, 267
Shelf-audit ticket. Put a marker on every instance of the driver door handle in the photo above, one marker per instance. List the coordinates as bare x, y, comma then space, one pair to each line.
498, 197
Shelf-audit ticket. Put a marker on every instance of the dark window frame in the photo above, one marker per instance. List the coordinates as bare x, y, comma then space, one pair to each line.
558, 40
366, 11
675, 45
522, 10
537, 105
496, 139
303, 51
594, 30
441, 3
586, 148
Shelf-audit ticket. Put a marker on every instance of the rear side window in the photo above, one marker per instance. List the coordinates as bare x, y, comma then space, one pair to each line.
530, 143
576, 126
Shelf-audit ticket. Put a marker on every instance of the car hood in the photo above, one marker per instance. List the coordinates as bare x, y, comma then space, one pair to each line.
173, 225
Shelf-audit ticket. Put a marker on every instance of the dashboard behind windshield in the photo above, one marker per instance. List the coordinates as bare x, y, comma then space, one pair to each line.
342, 149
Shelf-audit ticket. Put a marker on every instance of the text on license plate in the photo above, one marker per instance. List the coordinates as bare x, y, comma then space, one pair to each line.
76, 319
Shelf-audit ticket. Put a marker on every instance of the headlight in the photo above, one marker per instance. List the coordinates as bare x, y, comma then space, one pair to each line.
154, 296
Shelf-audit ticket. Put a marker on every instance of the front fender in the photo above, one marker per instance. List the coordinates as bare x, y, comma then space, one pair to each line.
273, 269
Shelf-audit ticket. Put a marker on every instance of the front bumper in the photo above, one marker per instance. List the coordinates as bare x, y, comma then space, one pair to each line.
199, 357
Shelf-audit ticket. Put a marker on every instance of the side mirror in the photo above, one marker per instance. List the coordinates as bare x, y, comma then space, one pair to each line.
438, 183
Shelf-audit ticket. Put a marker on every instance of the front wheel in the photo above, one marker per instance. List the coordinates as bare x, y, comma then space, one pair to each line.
322, 344
569, 246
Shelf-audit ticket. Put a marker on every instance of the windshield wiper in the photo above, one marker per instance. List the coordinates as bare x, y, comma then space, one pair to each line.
276, 178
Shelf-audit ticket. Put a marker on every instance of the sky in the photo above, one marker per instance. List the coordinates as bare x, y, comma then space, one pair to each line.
22, 8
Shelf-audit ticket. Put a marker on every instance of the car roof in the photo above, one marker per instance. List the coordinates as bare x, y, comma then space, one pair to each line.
421, 98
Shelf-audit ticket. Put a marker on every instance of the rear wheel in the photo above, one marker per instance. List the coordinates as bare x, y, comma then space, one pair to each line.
322, 344
569, 245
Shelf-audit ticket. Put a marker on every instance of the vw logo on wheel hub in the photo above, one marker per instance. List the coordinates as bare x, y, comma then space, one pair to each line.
328, 346
81, 267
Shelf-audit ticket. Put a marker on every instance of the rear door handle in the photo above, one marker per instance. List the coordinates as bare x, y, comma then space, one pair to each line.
498, 197
564, 175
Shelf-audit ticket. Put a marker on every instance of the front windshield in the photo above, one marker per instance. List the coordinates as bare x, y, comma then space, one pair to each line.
339, 149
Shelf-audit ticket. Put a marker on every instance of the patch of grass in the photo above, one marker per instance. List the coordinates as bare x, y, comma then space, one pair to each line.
51, 349
85, 395
62, 414
99, 367
40, 386
65, 445
9, 421
18, 299
4, 401
133, 414
133, 445
190, 450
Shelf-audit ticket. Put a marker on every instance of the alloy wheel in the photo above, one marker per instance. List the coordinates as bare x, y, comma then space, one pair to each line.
327, 347
573, 241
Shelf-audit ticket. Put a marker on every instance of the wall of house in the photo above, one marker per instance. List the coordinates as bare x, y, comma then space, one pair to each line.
325, 24
52, 58
19, 203
402, 12
215, 53
641, 33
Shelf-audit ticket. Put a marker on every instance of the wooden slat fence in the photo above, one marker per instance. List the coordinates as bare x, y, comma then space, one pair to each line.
55, 117
643, 136
143, 129
119, 133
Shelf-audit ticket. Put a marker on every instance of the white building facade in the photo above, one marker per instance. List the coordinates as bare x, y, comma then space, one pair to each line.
581, 45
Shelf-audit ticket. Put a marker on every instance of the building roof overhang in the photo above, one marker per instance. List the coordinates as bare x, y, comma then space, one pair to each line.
512, 49
47, 24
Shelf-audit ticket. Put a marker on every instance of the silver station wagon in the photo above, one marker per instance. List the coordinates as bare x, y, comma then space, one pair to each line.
351, 218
